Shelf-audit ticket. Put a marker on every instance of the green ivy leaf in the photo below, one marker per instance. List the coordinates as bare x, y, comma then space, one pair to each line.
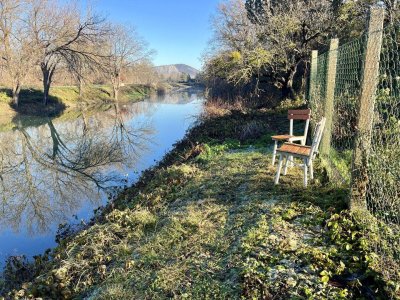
325, 279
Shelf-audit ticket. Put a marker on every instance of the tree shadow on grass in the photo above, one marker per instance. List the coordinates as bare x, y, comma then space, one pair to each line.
31, 111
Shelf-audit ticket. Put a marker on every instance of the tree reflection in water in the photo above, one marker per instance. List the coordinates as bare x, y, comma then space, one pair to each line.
47, 172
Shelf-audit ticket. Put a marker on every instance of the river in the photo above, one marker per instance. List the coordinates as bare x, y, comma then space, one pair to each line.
58, 171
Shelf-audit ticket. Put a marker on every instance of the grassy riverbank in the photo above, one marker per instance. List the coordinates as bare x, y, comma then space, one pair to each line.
63, 98
208, 223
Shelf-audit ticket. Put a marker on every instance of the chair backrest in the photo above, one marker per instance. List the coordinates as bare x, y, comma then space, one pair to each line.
299, 114
319, 130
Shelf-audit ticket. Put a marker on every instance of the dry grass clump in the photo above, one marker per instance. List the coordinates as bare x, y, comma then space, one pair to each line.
218, 108
251, 131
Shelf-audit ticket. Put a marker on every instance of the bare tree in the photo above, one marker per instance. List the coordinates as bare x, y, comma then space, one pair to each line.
55, 36
17, 50
355, 12
232, 28
266, 41
229, 63
289, 31
54, 169
124, 49
82, 69
142, 73
63, 36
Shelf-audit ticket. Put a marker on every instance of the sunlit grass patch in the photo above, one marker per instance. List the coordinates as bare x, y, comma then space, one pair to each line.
5, 96
209, 223
339, 165
136, 92
6, 127
215, 227
67, 94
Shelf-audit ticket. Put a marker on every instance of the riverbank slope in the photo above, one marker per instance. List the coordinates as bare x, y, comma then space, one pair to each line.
208, 223
66, 98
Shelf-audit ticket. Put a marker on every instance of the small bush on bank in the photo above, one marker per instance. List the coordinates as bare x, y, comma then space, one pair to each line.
287, 104
5, 97
218, 108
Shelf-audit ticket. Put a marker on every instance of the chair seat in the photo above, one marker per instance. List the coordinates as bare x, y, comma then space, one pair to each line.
295, 149
287, 138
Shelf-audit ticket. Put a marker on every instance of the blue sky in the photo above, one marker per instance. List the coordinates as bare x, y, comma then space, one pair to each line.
178, 30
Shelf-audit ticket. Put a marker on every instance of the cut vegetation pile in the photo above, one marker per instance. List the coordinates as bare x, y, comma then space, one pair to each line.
208, 223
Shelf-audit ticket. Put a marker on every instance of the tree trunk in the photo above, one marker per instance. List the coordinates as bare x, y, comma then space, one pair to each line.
116, 82
115, 92
15, 94
117, 109
304, 79
287, 89
57, 142
47, 78
85, 123
80, 82
54, 138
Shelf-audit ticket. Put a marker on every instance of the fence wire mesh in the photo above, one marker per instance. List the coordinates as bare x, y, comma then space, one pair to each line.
318, 87
383, 163
350, 61
383, 195
347, 88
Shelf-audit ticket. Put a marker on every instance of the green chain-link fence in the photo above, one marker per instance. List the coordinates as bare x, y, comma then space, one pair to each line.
383, 160
350, 60
317, 94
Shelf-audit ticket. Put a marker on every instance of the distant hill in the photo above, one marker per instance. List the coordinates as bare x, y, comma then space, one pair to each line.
175, 71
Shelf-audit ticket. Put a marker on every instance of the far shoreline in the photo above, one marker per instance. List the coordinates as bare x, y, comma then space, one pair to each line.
65, 99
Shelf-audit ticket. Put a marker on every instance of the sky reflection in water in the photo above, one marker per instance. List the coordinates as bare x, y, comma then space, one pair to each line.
62, 169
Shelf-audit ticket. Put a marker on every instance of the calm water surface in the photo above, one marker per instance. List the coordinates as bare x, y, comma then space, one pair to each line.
61, 170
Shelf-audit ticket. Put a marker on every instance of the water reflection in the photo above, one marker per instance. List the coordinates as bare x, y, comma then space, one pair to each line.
51, 170
181, 97
47, 172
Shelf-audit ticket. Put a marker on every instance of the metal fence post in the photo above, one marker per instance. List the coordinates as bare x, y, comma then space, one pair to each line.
330, 96
370, 80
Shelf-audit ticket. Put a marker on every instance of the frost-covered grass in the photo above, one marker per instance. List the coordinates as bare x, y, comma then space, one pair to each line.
208, 223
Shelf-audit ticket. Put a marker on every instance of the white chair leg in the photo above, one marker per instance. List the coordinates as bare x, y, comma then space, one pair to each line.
311, 170
305, 173
278, 171
274, 153
291, 161
287, 161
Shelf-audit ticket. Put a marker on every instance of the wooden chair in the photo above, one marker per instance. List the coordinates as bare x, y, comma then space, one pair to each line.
304, 114
305, 153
